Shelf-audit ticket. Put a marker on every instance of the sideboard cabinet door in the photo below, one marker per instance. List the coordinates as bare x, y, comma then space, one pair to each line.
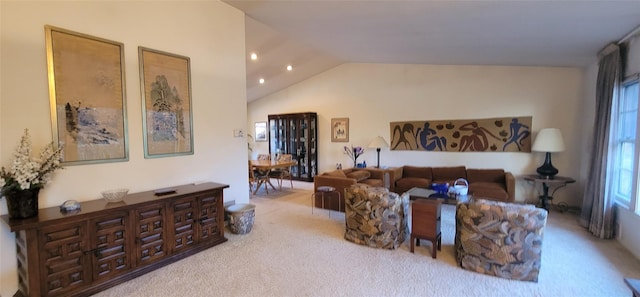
62, 255
184, 217
211, 216
110, 248
150, 243
195, 220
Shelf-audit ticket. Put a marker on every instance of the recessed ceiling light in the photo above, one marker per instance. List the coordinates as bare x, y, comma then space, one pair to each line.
254, 56
289, 67
261, 80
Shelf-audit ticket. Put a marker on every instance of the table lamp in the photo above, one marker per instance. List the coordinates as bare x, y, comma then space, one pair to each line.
549, 141
378, 143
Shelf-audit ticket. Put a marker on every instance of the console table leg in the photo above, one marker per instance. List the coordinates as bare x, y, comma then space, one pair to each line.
545, 196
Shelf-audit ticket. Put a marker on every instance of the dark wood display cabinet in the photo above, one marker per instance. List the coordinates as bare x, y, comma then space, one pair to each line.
296, 134
104, 244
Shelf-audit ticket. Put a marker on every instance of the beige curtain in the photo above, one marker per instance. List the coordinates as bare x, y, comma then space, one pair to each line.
597, 207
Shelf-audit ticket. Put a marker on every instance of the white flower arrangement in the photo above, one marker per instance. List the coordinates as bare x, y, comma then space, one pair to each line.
28, 173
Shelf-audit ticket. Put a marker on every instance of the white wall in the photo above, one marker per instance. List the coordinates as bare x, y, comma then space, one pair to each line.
373, 95
633, 58
211, 33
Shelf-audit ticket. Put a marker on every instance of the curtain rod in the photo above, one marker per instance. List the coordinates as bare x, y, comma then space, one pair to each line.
629, 35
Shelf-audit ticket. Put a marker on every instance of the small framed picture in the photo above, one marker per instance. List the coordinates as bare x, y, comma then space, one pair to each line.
261, 131
340, 130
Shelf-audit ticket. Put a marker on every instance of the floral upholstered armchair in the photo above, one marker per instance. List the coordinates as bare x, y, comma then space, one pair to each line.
500, 239
375, 217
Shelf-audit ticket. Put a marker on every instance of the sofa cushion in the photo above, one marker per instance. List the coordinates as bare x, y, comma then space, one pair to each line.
442, 175
415, 171
337, 173
492, 191
485, 175
372, 182
411, 182
449, 173
359, 175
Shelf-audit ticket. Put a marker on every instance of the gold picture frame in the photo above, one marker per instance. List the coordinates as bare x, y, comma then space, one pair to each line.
167, 118
87, 96
340, 130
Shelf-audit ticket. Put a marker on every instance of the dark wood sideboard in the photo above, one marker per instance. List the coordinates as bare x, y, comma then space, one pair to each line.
104, 244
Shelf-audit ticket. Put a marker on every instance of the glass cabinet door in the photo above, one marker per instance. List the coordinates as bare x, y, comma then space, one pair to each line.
277, 136
273, 135
312, 146
295, 134
302, 147
291, 144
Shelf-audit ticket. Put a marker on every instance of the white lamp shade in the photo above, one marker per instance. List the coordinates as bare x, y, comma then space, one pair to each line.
378, 142
548, 140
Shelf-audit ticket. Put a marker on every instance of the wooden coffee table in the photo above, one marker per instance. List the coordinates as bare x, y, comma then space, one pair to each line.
423, 193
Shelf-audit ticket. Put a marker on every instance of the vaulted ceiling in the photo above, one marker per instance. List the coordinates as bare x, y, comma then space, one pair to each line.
316, 35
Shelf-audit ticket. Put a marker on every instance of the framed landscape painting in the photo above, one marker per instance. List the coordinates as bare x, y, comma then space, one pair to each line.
87, 96
166, 103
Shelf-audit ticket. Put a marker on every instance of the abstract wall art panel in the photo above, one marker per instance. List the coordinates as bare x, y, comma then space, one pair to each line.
509, 134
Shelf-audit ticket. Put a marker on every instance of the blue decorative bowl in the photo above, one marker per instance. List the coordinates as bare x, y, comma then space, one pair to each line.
440, 188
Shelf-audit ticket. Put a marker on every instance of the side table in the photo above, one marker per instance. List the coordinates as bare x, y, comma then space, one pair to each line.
324, 191
424, 193
556, 183
425, 223
634, 285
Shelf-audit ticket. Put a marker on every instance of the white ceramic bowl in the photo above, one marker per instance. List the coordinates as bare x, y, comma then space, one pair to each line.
115, 195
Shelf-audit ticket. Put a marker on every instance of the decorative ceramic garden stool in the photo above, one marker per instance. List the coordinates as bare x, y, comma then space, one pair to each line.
324, 191
241, 217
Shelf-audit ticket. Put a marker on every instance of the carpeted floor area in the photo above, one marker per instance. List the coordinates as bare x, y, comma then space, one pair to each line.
291, 252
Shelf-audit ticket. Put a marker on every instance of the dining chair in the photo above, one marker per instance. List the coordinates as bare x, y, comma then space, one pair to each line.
261, 177
281, 173
286, 172
264, 157
252, 179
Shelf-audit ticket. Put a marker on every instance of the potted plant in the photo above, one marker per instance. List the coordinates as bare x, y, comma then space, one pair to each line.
354, 153
20, 184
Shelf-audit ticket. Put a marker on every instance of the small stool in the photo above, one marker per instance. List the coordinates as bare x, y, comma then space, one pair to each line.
323, 191
634, 285
425, 224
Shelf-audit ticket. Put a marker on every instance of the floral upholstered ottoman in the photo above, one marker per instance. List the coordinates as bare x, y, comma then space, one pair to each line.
500, 239
375, 217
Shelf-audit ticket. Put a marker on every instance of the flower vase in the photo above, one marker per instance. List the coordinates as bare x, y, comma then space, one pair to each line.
22, 204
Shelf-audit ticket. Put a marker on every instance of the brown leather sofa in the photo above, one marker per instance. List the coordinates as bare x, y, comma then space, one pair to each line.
344, 178
494, 184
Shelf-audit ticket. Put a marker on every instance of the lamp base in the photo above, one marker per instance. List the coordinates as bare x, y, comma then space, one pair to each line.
547, 170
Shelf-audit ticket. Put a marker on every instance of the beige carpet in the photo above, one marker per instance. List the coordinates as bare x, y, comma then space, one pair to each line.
291, 252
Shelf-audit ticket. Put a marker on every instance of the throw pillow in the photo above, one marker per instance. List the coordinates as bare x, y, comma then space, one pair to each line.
337, 173
359, 175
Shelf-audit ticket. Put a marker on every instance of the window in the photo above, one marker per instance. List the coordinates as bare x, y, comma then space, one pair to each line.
623, 177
